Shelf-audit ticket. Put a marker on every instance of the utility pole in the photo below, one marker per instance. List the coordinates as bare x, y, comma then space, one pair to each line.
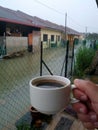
85, 32
65, 26
67, 47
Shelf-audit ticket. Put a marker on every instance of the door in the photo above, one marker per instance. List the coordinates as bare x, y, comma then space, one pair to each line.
30, 39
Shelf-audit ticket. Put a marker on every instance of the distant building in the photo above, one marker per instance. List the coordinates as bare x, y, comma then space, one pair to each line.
19, 31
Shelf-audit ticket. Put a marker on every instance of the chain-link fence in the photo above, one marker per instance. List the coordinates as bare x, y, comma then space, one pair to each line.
15, 74
57, 60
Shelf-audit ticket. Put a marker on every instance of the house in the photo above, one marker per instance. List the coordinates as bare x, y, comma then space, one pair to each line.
16, 32
19, 31
52, 34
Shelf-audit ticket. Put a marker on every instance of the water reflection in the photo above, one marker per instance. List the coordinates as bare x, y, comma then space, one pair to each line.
13, 72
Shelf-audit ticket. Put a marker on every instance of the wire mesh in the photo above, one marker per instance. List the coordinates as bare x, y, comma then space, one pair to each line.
15, 74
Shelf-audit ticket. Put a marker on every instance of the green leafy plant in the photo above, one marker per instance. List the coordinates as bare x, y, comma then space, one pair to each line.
83, 59
23, 126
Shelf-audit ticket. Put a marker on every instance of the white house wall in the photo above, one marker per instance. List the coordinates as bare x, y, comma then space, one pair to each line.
36, 40
14, 44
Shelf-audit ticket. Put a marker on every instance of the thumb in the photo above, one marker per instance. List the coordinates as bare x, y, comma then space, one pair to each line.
89, 88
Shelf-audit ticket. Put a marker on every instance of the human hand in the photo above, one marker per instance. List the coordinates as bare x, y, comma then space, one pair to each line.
87, 108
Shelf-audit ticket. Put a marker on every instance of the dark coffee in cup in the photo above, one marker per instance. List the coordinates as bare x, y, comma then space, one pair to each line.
48, 84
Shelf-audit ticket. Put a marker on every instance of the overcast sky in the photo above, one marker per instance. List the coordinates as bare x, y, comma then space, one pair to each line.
82, 15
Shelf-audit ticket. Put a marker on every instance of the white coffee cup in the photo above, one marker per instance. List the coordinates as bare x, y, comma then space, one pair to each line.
50, 94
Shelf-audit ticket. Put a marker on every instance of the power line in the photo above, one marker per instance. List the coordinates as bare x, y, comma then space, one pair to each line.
49, 7
56, 11
76, 22
53, 9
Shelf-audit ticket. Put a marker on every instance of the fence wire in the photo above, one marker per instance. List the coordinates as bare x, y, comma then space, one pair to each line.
15, 74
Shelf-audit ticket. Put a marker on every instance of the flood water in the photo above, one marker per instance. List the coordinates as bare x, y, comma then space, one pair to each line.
15, 75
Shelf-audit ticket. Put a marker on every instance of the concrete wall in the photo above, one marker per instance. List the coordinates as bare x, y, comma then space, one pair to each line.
36, 40
14, 44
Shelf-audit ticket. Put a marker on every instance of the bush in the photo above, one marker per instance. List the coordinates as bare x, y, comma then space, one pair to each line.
83, 59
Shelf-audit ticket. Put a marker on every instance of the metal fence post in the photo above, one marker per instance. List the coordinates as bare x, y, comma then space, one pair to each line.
66, 62
72, 57
41, 57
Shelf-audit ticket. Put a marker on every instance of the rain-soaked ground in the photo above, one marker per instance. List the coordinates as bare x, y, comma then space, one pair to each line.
15, 75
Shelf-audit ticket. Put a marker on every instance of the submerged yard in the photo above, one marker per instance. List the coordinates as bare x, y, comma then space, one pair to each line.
15, 75
14, 82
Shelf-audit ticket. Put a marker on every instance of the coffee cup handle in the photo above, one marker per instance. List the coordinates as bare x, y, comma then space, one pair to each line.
73, 100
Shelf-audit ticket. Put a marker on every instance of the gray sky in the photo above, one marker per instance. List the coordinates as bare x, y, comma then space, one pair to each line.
81, 14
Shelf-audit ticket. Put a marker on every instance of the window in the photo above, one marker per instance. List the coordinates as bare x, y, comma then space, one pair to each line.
52, 37
45, 37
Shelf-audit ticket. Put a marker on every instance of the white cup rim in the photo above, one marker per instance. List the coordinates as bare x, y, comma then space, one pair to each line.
50, 77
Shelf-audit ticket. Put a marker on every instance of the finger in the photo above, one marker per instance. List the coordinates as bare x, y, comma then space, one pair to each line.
84, 117
90, 117
93, 116
95, 124
87, 87
80, 108
80, 95
88, 125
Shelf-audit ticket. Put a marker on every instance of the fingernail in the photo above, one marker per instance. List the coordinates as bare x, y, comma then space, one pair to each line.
77, 81
82, 110
96, 124
83, 97
93, 117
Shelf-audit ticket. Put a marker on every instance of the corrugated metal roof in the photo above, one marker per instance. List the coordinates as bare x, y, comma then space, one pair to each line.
47, 24
9, 14
20, 17
13, 17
